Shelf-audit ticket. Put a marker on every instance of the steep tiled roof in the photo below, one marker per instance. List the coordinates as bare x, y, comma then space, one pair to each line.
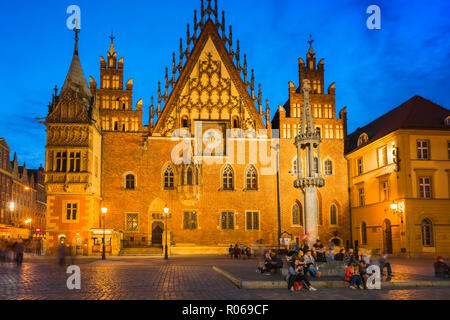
416, 113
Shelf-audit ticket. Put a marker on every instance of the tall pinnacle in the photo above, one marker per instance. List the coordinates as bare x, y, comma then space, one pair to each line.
76, 40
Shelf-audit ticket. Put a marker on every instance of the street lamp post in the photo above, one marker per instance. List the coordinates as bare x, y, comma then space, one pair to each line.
104, 211
28, 222
11, 208
166, 213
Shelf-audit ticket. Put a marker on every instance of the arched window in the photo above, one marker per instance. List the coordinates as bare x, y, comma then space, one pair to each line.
363, 138
169, 182
130, 182
196, 176
427, 233
235, 122
333, 215
294, 166
189, 177
184, 122
328, 167
227, 178
251, 178
316, 165
297, 214
363, 233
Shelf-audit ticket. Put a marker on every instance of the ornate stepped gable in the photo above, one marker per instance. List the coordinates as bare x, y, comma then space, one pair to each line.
209, 85
75, 104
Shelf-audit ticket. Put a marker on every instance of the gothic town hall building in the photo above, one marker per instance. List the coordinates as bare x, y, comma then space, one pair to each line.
210, 154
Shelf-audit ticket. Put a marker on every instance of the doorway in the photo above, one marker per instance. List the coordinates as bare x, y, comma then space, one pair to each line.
157, 233
387, 237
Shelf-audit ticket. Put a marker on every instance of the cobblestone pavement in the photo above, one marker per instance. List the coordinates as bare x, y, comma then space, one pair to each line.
180, 278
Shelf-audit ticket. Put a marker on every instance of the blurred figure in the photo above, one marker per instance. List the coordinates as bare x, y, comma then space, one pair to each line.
2, 251
340, 256
441, 269
18, 248
61, 253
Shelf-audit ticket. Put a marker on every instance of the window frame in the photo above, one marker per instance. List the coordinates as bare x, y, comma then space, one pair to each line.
421, 149
430, 185
137, 221
427, 223
186, 222
252, 213
336, 213
65, 211
227, 214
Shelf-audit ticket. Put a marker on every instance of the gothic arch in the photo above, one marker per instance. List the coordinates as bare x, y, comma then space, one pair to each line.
227, 177
168, 176
251, 178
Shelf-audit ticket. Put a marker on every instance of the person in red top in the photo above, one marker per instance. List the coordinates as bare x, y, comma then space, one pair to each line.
352, 275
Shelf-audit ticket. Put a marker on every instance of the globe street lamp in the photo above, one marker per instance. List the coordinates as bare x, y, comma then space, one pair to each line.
28, 222
166, 213
104, 211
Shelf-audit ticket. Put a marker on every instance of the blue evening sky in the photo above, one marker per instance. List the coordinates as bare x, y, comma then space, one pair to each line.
374, 70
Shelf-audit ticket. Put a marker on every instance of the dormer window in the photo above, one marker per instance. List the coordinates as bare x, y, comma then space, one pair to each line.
447, 121
363, 139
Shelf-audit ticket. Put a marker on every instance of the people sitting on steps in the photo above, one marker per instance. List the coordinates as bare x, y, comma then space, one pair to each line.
340, 256
311, 264
352, 275
271, 264
441, 269
297, 278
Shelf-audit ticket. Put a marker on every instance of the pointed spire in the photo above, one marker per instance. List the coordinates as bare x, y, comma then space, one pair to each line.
252, 85
245, 69
238, 54
230, 39
223, 25
75, 50
75, 78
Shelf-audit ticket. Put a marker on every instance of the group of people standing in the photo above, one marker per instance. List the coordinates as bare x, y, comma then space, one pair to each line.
239, 252
12, 251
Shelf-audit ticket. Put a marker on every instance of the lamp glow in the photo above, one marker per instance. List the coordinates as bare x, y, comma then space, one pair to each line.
104, 210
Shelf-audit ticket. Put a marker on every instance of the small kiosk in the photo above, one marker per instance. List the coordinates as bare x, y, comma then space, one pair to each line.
113, 241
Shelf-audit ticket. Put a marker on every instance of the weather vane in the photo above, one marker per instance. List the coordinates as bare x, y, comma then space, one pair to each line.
112, 37
311, 40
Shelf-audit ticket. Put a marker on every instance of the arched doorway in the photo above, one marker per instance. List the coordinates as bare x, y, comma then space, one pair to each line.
157, 233
387, 236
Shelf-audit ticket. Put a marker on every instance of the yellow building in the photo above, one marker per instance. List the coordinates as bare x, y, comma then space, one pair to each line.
399, 172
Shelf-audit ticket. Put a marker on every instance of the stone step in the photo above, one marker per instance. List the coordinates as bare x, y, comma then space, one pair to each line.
140, 251
328, 269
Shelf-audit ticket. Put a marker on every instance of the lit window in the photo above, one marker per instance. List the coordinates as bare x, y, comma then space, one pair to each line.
360, 166
422, 150
190, 220
363, 139
425, 187
427, 233
382, 156
132, 222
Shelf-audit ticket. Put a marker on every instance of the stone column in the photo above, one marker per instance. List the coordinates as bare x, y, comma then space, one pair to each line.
311, 212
